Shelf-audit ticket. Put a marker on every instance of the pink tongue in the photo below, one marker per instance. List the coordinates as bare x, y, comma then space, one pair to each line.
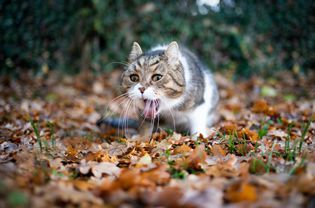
149, 110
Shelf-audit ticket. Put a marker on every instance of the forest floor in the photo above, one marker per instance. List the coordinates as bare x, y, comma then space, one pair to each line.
261, 151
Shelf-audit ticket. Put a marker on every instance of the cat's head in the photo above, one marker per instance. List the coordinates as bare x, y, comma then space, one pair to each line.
154, 80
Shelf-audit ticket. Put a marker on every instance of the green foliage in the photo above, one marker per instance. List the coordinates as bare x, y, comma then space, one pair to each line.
231, 143
305, 128
177, 174
242, 36
52, 134
37, 134
17, 199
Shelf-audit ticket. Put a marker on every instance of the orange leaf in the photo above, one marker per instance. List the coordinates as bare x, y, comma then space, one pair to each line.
100, 157
217, 150
71, 152
158, 175
182, 149
251, 135
82, 185
229, 128
261, 106
241, 192
197, 157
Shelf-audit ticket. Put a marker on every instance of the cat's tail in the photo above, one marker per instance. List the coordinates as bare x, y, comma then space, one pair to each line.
117, 123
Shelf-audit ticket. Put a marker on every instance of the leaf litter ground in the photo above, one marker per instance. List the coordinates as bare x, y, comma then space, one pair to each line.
260, 152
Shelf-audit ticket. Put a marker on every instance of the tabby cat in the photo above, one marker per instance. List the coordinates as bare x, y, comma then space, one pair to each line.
169, 82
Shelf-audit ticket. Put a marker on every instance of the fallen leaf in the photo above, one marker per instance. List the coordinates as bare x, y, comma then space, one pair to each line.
197, 157
261, 106
182, 149
229, 128
248, 135
205, 198
117, 149
84, 167
240, 192
158, 175
105, 168
144, 160
83, 185
277, 133
217, 150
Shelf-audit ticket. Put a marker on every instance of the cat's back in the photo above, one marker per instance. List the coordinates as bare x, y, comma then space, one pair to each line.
188, 58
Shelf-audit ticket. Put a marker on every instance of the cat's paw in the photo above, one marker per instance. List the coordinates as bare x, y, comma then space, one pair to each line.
204, 132
198, 134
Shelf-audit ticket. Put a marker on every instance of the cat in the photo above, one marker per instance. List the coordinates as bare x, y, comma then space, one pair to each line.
169, 82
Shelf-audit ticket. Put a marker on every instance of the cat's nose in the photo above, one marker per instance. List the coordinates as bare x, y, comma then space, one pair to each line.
141, 89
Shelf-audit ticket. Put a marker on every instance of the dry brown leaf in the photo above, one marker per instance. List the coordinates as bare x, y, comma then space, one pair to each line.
248, 135
100, 156
144, 160
129, 179
240, 192
166, 197
182, 149
261, 106
72, 152
278, 133
117, 149
244, 148
105, 168
209, 197
83, 185
229, 128
84, 167
197, 157
158, 175
164, 145
226, 167
67, 194
217, 150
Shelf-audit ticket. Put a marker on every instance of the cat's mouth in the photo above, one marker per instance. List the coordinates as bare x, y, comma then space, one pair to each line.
151, 108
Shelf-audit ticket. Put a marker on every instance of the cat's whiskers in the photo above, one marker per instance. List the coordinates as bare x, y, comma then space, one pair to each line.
128, 103
152, 117
125, 117
106, 112
121, 99
132, 95
158, 116
120, 96
143, 120
122, 117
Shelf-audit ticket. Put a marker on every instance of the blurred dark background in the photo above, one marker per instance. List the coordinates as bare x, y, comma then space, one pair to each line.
244, 37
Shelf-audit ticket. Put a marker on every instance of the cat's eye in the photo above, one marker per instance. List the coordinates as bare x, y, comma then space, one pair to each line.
156, 77
134, 78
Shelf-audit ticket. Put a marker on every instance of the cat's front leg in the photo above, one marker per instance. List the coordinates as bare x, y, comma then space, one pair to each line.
145, 130
198, 121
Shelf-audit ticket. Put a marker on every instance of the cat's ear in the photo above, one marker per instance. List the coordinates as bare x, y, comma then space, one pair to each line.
172, 52
136, 51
